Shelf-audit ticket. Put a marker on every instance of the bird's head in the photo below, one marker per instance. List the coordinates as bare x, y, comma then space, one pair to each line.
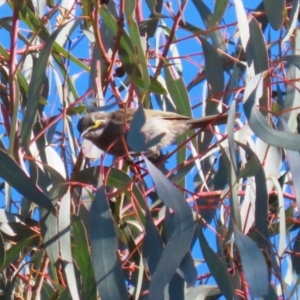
91, 125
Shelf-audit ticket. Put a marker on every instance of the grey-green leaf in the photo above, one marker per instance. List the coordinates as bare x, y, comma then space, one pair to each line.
36, 86
258, 122
261, 200
254, 265
179, 242
106, 261
137, 140
83, 259
217, 268
11, 172
213, 69
256, 51
64, 225
220, 8
294, 164
275, 13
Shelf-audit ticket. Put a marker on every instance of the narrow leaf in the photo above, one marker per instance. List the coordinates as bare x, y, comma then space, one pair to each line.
136, 138
11, 172
2, 252
295, 258
258, 122
261, 201
293, 21
254, 265
220, 8
15, 250
106, 261
153, 245
36, 86
213, 69
217, 268
294, 164
256, 50
83, 259
177, 90
275, 13
64, 222
49, 229
180, 240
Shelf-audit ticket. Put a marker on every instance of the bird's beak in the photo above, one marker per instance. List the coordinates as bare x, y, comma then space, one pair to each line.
96, 125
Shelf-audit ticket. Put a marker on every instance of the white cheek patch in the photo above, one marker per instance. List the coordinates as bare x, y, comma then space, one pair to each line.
92, 133
89, 150
97, 131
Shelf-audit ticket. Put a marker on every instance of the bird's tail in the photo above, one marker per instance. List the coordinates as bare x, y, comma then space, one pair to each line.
209, 120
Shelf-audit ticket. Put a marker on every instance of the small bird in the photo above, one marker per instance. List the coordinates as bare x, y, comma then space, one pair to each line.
108, 131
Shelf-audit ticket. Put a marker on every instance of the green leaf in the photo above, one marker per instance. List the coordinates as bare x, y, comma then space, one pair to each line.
49, 229
83, 259
293, 59
2, 252
294, 164
213, 69
36, 86
155, 7
254, 265
232, 180
153, 245
217, 268
13, 252
177, 90
127, 53
11, 172
216, 35
295, 258
220, 8
256, 51
47, 291
87, 7
64, 226
117, 179
155, 85
261, 201
275, 13
180, 240
138, 43
106, 261
136, 138
258, 122
293, 21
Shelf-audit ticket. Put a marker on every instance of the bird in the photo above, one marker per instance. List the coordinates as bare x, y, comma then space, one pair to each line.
108, 130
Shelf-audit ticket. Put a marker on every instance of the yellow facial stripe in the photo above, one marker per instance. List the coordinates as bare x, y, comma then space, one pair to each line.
97, 124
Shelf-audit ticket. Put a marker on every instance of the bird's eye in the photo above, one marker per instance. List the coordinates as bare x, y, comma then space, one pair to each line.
85, 123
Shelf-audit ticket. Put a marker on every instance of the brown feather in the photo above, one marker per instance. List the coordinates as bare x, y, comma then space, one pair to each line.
110, 135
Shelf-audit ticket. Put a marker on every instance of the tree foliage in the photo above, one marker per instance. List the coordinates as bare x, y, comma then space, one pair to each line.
216, 215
